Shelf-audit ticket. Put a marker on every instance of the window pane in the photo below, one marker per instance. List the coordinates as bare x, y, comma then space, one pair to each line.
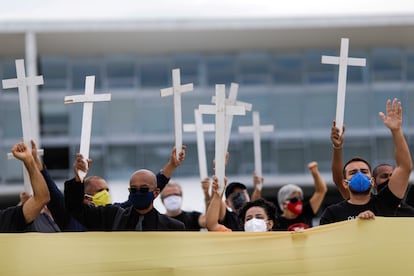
120, 72
155, 73
121, 117
288, 111
189, 67
54, 117
220, 69
82, 69
55, 72
291, 156
410, 66
316, 71
386, 65
10, 119
254, 68
287, 69
122, 161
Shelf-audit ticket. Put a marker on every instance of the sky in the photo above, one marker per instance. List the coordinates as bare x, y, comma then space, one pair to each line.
202, 9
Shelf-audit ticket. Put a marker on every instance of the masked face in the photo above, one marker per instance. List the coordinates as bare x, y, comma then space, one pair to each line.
101, 198
295, 205
173, 203
141, 198
238, 200
255, 225
359, 183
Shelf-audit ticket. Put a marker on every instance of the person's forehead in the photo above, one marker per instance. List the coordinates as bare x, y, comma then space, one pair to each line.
237, 190
384, 169
357, 165
97, 184
171, 190
294, 194
255, 210
142, 180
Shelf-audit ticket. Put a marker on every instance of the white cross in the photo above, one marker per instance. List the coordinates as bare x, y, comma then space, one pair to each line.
221, 109
256, 129
176, 90
22, 82
232, 100
87, 101
343, 61
200, 128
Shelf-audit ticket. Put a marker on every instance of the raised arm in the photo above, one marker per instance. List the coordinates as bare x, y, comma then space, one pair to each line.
398, 182
258, 181
168, 170
320, 187
337, 162
33, 206
213, 210
205, 186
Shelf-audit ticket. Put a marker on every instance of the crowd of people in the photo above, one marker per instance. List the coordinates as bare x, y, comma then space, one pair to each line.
86, 205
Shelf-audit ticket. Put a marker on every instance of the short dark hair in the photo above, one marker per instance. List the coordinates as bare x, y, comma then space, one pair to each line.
375, 170
268, 206
355, 159
232, 186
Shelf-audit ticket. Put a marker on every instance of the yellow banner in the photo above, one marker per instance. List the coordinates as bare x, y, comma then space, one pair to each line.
379, 247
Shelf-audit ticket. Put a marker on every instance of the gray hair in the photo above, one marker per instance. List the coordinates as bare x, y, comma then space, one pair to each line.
286, 191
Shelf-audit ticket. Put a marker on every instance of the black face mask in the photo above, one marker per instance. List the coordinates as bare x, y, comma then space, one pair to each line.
238, 200
381, 186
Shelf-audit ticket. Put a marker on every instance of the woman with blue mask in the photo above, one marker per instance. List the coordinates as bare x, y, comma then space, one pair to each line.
356, 175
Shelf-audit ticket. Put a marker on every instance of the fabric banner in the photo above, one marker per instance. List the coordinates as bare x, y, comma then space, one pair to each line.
376, 247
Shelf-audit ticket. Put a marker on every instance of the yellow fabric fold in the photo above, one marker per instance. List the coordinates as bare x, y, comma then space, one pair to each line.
379, 247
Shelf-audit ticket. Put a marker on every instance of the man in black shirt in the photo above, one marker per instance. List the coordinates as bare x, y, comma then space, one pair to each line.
171, 197
16, 218
140, 216
357, 181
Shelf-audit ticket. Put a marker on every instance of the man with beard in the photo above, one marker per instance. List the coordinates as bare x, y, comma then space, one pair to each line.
357, 180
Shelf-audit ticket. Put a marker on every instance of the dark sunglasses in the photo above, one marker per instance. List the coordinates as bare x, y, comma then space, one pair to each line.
134, 190
294, 200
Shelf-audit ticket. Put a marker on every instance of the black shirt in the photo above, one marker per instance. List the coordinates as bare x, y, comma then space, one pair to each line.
190, 220
12, 220
385, 203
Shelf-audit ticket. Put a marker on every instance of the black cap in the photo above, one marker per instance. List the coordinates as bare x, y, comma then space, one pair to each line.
233, 185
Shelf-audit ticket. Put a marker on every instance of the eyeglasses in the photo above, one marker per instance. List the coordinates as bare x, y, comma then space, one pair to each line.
294, 199
134, 190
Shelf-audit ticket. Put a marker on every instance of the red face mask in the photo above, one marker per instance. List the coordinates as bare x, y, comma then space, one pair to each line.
295, 205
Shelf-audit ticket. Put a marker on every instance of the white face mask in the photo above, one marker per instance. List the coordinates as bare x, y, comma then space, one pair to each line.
255, 225
173, 203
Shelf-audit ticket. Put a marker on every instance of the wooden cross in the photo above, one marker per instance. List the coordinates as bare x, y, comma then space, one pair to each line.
176, 90
200, 128
221, 109
87, 99
232, 100
256, 129
21, 83
343, 61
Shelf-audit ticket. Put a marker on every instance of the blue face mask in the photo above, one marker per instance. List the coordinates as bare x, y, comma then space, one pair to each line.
360, 183
141, 200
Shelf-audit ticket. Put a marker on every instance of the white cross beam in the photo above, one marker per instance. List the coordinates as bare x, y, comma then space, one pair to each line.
21, 83
343, 61
232, 100
221, 109
176, 90
256, 129
200, 128
87, 99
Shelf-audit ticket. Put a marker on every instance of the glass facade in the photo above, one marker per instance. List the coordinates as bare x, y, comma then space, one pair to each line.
292, 90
